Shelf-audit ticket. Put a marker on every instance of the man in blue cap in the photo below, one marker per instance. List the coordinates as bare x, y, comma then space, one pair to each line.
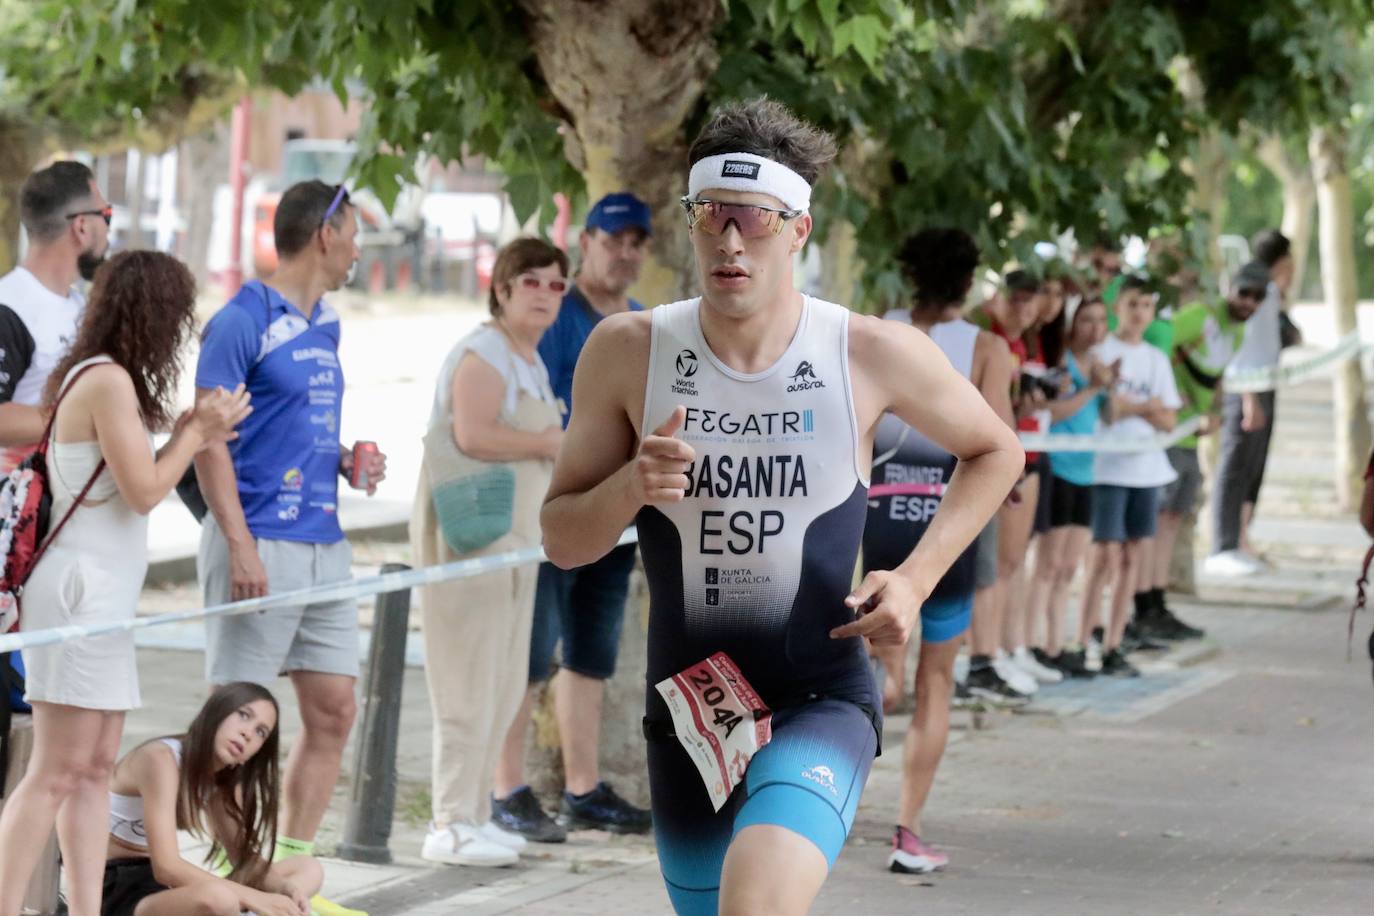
584, 607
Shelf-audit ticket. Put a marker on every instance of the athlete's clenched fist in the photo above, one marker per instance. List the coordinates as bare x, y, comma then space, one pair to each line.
886, 605
659, 474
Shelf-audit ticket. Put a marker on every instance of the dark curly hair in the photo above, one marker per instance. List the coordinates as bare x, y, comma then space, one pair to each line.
766, 128
939, 263
140, 313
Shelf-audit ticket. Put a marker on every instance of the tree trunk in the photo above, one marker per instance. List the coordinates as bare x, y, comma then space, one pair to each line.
626, 102
1336, 234
622, 715
133, 198
1209, 169
1299, 201
204, 162
840, 264
21, 148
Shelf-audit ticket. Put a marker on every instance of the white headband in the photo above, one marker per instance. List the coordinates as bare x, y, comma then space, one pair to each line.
747, 172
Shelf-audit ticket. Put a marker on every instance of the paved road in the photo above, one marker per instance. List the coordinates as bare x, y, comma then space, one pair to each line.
1238, 786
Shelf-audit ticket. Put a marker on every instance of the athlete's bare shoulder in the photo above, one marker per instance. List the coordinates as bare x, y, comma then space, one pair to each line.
887, 359
617, 340
877, 346
614, 364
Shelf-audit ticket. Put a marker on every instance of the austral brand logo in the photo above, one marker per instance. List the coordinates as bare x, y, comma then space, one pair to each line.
804, 379
822, 776
686, 366
734, 168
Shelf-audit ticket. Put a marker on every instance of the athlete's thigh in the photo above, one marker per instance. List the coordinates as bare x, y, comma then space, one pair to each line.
809, 777
771, 869
691, 836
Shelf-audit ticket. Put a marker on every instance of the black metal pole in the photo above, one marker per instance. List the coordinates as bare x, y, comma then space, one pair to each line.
373, 800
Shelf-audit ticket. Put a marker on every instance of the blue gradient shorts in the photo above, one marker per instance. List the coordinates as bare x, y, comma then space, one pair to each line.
808, 779
943, 619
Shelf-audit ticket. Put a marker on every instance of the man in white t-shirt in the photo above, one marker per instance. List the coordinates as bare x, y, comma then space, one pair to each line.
1248, 419
1126, 485
68, 224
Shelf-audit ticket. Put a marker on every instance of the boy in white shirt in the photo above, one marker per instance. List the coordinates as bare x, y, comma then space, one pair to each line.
1126, 487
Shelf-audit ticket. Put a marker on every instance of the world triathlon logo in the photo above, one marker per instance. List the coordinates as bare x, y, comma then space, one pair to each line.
804, 378
686, 368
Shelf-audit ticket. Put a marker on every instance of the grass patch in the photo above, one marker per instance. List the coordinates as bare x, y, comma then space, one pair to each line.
414, 804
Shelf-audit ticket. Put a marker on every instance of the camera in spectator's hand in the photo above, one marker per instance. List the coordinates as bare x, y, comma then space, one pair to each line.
1048, 384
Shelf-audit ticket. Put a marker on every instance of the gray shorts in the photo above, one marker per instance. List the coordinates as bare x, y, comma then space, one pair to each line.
985, 566
1180, 497
260, 646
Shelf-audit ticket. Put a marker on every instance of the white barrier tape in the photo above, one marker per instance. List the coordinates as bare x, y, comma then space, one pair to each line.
1092, 442
1251, 380
1240, 381
355, 588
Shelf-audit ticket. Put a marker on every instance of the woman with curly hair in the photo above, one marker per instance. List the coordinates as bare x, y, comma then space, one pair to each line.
115, 385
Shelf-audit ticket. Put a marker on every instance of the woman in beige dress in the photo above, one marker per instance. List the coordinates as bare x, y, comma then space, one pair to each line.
493, 395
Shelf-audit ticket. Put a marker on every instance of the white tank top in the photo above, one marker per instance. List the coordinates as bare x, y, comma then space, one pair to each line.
126, 811
757, 559
104, 530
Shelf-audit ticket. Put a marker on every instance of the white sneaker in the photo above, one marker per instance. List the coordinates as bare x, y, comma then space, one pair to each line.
497, 834
1028, 663
1092, 655
1018, 679
461, 844
1231, 564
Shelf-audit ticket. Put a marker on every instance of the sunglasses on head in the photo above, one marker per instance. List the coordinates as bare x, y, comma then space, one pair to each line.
105, 213
555, 285
713, 217
339, 196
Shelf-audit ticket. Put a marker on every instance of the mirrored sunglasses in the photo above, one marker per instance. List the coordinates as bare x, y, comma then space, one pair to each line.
753, 222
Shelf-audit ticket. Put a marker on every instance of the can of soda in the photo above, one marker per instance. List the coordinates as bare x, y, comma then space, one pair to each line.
362, 452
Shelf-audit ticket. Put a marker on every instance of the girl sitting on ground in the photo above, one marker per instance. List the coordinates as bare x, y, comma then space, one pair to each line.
219, 780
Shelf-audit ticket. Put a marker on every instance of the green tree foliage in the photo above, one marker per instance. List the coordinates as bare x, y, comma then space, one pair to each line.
1018, 119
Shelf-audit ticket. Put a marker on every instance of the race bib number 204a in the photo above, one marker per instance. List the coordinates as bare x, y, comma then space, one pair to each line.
719, 719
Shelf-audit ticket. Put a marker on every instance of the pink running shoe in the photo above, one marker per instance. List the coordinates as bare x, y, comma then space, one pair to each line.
913, 856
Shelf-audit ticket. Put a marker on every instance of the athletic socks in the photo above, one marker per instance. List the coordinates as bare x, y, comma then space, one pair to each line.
287, 847
319, 905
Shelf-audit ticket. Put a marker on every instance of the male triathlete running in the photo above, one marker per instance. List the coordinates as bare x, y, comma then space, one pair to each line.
737, 429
